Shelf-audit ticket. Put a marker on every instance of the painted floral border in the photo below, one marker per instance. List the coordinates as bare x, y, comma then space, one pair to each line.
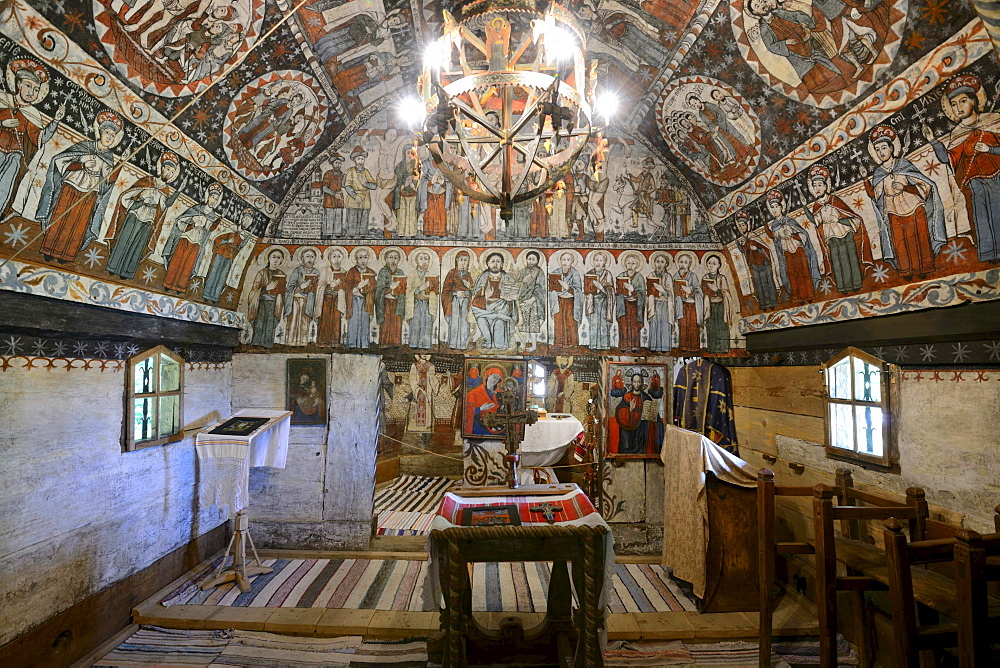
978, 286
48, 282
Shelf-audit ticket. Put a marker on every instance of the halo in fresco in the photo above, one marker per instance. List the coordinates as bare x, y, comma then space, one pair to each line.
176, 47
273, 122
709, 126
819, 52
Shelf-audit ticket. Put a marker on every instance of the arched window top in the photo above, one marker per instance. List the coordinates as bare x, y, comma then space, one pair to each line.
154, 398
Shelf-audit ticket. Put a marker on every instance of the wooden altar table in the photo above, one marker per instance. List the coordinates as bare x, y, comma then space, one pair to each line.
558, 523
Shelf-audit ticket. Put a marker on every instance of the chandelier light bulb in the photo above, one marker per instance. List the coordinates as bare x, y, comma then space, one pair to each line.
559, 44
606, 105
437, 55
412, 111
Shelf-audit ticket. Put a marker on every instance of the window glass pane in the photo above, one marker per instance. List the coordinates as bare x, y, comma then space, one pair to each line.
537, 380
144, 377
841, 426
867, 381
169, 416
869, 425
143, 418
170, 374
839, 379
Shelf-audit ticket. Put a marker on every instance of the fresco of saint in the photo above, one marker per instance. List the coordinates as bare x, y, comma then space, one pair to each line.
846, 248
266, 299
566, 301
907, 206
798, 266
630, 302
23, 131
973, 153
390, 299
757, 255
300, 299
689, 310
494, 302
139, 217
599, 302
333, 299
455, 296
422, 300
660, 305
360, 285
77, 188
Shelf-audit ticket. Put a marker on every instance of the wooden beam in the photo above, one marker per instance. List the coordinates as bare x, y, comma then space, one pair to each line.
965, 322
47, 318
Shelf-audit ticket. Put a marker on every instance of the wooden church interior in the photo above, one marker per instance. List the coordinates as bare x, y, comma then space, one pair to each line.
499, 332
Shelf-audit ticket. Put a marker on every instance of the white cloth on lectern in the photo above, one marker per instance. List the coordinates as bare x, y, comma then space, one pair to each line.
687, 457
224, 461
549, 434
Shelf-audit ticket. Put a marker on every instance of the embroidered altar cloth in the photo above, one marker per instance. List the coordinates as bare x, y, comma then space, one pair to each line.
576, 509
224, 461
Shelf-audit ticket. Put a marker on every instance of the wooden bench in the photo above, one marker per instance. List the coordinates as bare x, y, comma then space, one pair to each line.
768, 550
865, 564
958, 590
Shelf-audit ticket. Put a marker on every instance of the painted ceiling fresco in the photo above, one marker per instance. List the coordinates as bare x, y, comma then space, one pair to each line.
755, 127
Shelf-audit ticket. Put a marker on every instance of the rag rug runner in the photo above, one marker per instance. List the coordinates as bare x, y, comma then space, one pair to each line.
392, 584
406, 506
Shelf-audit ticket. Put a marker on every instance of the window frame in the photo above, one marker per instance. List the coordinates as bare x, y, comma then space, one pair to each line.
888, 460
133, 362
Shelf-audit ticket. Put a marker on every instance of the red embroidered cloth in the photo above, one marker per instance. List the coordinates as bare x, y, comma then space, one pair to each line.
572, 506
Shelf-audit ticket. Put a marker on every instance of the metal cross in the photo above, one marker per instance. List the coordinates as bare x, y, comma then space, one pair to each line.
547, 510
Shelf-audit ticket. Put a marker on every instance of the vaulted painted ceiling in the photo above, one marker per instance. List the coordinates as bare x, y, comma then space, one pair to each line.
733, 99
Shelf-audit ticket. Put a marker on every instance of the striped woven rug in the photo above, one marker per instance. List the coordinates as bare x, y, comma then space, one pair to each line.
734, 654
154, 646
398, 585
406, 507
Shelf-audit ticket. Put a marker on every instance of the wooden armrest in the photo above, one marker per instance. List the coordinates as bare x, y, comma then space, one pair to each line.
932, 551
874, 513
794, 548
872, 499
792, 491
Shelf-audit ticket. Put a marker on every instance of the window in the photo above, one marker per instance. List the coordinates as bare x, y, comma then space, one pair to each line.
537, 373
153, 401
859, 422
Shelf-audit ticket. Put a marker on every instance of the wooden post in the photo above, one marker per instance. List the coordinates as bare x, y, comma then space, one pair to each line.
971, 600
904, 621
826, 575
765, 562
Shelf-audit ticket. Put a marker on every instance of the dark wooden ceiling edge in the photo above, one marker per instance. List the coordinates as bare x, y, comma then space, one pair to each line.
968, 322
32, 315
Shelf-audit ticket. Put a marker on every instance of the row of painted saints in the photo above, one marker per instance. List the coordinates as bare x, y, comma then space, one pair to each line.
788, 266
404, 200
78, 210
335, 298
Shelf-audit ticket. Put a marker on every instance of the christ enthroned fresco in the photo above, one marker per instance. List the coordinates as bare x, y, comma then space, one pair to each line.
821, 52
176, 47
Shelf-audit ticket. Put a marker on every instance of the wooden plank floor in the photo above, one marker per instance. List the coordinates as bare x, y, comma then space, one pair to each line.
792, 618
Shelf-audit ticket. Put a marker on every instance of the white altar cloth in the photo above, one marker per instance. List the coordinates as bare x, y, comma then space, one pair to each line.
688, 457
543, 446
224, 461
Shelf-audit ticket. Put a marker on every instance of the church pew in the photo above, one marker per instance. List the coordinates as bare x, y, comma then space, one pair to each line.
860, 558
958, 591
768, 551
